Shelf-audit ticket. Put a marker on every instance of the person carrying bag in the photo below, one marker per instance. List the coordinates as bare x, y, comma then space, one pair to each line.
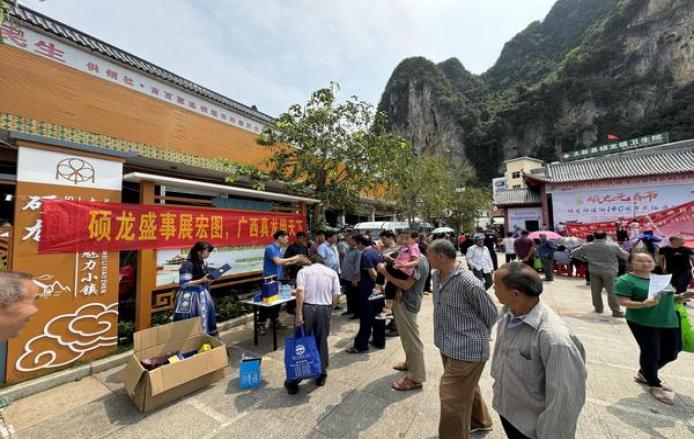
301, 357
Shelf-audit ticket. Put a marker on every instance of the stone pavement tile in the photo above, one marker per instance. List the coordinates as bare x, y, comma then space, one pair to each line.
593, 422
182, 418
227, 399
55, 402
349, 368
267, 426
112, 380
615, 386
93, 420
312, 403
364, 414
625, 420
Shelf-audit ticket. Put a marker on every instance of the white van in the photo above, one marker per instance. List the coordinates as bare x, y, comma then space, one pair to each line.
377, 227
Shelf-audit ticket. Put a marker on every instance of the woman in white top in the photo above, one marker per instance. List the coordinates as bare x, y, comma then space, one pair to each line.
508, 247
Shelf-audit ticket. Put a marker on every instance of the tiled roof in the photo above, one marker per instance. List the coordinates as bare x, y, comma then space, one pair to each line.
674, 158
522, 196
54, 27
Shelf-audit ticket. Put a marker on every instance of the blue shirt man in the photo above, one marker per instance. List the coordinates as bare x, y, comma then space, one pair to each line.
329, 252
270, 268
273, 266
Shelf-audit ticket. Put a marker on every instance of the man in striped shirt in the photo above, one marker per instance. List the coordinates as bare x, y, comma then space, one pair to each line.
463, 317
538, 366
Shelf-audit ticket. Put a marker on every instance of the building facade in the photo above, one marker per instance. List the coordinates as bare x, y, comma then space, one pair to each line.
83, 123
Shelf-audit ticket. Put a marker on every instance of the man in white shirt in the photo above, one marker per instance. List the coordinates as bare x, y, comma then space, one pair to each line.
317, 291
509, 250
479, 261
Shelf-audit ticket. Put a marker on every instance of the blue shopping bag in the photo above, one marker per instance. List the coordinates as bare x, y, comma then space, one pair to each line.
249, 372
301, 357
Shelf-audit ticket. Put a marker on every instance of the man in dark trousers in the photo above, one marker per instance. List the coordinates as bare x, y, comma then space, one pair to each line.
676, 259
369, 309
525, 248
298, 247
490, 242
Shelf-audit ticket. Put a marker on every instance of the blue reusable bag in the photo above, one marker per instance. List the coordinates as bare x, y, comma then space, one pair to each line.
249, 372
301, 357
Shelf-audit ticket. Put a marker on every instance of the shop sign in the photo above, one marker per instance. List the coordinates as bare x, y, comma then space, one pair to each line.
86, 226
87, 62
677, 220
622, 145
608, 203
57, 168
78, 291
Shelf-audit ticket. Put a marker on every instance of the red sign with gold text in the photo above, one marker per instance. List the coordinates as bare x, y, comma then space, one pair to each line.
77, 226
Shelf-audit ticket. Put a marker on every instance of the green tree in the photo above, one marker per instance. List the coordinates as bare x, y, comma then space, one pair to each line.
465, 206
6, 8
432, 188
333, 151
433, 185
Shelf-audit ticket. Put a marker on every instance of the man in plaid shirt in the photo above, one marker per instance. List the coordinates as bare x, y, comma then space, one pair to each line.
463, 317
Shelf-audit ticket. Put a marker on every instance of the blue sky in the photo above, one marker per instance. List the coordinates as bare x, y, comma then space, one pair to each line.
275, 53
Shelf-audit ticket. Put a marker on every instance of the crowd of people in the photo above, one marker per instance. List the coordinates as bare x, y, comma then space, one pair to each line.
538, 363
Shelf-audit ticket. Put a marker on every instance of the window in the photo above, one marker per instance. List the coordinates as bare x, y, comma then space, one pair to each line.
516, 186
516, 174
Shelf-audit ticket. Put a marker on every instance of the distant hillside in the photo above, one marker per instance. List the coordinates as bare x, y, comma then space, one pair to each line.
590, 68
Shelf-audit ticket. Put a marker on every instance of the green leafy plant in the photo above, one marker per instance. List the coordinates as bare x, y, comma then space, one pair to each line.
125, 331
229, 307
161, 319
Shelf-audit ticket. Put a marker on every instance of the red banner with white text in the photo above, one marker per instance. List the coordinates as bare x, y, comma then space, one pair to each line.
79, 226
678, 220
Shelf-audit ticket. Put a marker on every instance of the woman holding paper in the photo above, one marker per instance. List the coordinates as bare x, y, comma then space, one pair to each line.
652, 319
193, 298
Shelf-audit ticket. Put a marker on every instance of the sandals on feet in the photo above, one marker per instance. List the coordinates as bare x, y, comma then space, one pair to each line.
659, 394
405, 384
402, 366
639, 378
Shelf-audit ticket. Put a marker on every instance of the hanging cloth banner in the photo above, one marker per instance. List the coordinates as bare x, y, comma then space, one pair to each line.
80, 226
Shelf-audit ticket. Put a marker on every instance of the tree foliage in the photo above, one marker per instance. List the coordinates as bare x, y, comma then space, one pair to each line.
333, 151
433, 188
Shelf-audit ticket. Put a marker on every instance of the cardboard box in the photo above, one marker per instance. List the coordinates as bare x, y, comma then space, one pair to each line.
151, 389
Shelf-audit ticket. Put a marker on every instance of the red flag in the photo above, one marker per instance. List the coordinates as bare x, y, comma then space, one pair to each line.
612, 138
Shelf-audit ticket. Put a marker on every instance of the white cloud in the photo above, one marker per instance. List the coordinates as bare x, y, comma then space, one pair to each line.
275, 53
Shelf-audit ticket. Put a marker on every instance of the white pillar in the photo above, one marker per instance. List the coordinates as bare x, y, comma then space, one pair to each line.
372, 216
341, 219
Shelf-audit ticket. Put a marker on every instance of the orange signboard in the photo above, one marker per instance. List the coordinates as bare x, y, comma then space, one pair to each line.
77, 316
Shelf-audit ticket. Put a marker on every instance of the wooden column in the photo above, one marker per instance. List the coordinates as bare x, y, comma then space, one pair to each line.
507, 226
545, 207
146, 270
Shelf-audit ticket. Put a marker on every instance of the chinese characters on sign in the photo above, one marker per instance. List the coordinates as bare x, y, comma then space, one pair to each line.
55, 50
677, 220
622, 145
609, 203
110, 226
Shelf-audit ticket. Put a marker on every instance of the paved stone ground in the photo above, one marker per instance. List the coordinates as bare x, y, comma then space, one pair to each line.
357, 400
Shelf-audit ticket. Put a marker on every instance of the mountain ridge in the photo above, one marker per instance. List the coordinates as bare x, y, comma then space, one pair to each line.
588, 69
